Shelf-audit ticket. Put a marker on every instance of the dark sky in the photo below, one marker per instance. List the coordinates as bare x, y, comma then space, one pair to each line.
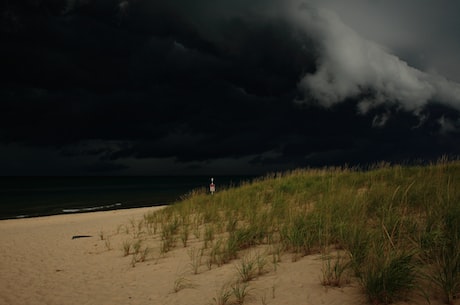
146, 87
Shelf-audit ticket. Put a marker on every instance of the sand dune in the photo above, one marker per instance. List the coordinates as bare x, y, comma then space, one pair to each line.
41, 264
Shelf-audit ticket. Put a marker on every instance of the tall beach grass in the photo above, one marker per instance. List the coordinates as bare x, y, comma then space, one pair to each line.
397, 228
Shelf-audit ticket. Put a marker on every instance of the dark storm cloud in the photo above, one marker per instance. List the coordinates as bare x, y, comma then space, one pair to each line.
109, 84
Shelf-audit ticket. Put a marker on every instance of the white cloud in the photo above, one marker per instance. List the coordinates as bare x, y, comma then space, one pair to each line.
423, 32
351, 66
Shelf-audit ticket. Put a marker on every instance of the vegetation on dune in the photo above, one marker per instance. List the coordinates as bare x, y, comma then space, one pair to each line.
396, 229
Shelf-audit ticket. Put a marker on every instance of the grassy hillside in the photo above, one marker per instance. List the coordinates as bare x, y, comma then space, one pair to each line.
395, 229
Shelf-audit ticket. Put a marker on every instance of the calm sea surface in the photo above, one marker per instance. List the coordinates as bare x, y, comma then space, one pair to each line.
39, 196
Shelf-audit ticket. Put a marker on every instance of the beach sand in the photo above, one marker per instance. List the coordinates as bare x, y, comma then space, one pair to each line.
41, 264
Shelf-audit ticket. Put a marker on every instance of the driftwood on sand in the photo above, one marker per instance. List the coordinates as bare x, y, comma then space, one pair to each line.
81, 236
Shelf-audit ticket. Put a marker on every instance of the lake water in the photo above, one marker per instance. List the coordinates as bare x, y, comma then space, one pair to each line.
39, 196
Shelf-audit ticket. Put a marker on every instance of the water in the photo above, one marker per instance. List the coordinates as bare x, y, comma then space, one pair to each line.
39, 196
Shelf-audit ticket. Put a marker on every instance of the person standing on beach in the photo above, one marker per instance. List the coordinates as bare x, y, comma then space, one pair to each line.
212, 187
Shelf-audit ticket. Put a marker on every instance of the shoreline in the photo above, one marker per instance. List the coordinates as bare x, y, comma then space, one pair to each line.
25, 197
84, 216
86, 210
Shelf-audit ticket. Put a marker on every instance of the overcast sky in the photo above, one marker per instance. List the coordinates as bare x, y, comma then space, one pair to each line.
189, 87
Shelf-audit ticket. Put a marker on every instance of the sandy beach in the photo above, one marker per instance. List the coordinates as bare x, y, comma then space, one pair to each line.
42, 264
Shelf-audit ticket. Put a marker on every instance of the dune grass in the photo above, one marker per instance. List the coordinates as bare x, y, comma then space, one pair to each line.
397, 228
